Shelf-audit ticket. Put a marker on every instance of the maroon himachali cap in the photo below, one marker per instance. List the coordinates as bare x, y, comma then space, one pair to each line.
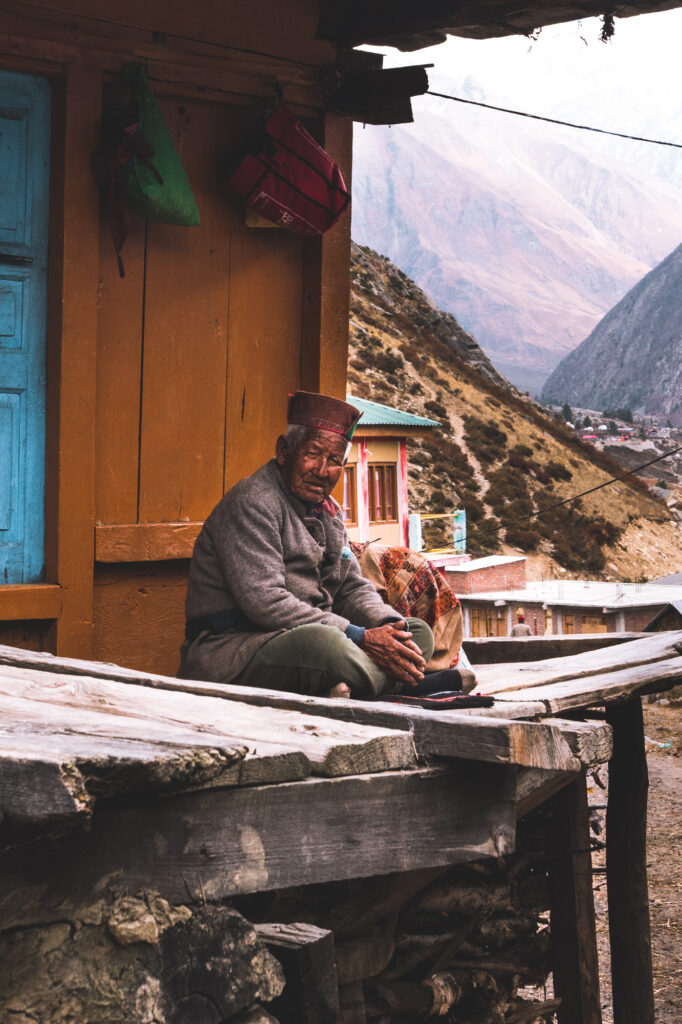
323, 413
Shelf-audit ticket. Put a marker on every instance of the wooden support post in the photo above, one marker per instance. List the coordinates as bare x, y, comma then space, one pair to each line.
574, 940
626, 875
306, 953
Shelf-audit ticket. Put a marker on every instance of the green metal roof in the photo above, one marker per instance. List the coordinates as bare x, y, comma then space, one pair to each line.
375, 415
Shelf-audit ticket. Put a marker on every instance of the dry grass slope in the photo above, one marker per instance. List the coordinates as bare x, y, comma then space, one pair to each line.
497, 453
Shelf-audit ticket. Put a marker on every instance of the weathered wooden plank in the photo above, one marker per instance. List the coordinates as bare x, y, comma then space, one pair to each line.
97, 706
217, 843
499, 679
493, 650
626, 870
575, 966
590, 742
50, 780
585, 692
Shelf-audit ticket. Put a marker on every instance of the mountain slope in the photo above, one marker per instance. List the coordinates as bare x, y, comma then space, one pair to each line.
633, 357
523, 232
497, 453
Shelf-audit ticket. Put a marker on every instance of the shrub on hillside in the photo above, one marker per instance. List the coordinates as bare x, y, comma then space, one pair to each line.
486, 440
521, 449
519, 462
558, 471
436, 408
524, 537
388, 362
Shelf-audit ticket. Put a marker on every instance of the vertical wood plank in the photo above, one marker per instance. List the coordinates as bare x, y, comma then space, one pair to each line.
185, 331
264, 342
119, 354
326, 285
575, 965
71, 359
626, 873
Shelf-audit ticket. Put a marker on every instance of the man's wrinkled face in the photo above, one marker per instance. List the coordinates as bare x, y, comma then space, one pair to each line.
312, 471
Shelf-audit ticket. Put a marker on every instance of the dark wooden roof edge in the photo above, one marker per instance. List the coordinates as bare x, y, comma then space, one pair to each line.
412, 26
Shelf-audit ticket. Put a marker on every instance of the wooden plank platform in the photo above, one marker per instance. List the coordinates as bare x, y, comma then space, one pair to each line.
473, 735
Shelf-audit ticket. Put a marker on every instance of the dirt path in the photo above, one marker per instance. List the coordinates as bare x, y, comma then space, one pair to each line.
663, 725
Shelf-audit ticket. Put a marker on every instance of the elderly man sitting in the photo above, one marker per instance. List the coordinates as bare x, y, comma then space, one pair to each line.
276, 597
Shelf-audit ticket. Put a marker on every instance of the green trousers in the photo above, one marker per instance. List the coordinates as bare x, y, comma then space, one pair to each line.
312, 659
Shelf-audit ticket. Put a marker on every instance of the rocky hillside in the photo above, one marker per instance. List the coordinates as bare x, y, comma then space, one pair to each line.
497, 453
633, 357
521, 230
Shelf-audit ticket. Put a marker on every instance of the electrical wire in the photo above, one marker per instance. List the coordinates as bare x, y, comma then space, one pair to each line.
554, 120
567, 501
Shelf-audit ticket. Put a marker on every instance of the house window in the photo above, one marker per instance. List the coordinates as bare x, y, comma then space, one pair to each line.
383, 505
350, 505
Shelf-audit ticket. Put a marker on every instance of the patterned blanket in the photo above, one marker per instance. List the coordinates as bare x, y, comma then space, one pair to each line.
413, 586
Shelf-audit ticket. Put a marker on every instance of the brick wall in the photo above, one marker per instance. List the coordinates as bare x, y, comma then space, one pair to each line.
509, 576
638, 618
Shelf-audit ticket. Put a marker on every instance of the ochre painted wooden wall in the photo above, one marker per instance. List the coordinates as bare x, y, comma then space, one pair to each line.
166, 386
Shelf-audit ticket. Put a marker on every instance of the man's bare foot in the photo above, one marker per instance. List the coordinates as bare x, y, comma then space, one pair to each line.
340, 690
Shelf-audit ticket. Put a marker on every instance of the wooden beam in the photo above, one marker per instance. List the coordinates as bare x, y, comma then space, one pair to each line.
144, 542
219, 843
626, 872
585, 691
575, 966
30, 601
589, 744
491, 650
508, 678
536, 785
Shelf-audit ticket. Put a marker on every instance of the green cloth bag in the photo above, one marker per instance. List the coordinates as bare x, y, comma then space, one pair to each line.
165, 196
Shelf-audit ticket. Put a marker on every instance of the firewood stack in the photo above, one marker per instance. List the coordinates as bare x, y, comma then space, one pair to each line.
455, 943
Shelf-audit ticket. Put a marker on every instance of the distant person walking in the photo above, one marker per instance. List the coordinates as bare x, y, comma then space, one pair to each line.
521, 627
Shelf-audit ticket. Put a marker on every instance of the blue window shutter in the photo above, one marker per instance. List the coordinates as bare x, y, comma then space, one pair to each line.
24, 197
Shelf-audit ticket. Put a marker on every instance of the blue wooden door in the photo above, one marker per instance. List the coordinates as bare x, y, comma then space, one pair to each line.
24, 195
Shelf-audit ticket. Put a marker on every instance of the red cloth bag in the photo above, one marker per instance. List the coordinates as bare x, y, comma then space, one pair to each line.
290, 179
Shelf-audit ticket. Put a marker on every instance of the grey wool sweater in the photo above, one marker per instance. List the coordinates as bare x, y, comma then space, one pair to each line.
260, 555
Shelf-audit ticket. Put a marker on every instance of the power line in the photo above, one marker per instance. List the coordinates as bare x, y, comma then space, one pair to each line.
553, 120
566, 501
